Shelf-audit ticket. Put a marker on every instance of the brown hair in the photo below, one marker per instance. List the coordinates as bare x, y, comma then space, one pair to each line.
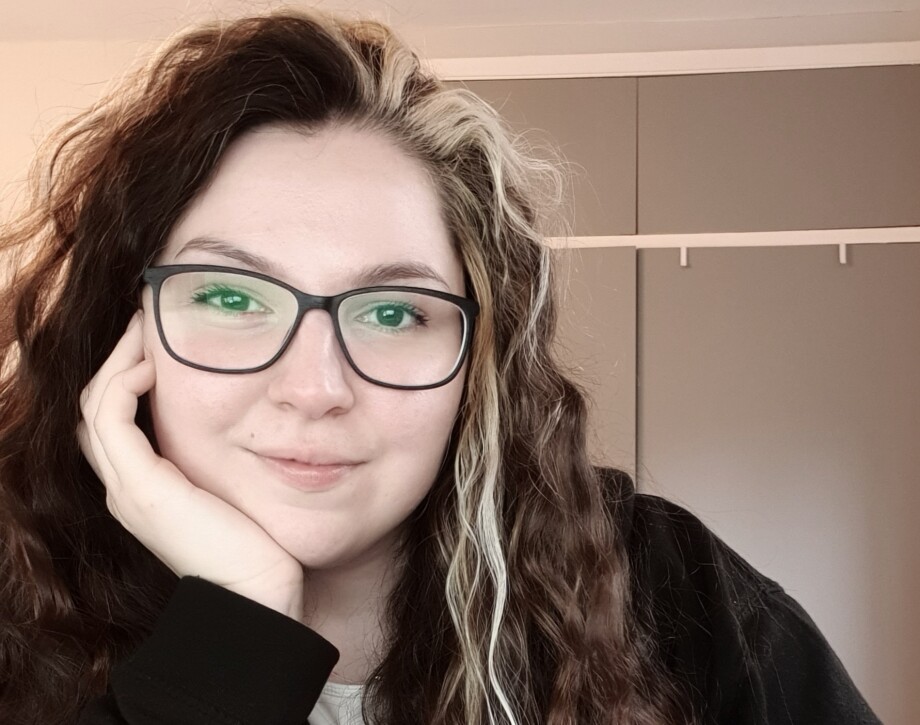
514, 599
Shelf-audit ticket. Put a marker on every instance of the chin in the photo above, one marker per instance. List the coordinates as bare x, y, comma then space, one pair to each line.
327, 555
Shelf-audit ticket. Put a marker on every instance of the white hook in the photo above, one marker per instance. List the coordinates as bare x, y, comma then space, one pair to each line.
842, 253
683, 256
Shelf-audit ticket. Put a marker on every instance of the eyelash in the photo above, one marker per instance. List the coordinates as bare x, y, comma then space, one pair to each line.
421, 319
202, 296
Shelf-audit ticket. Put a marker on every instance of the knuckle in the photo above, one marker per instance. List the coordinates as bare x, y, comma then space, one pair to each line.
84, 398
82, 436
111, 505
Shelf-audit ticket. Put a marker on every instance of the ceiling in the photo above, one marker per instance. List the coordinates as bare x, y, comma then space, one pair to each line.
454, 28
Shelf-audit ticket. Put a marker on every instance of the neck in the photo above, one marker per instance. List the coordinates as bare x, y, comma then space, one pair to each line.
345, 606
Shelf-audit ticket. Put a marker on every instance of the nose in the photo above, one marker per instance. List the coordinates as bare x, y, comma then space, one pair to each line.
313, 375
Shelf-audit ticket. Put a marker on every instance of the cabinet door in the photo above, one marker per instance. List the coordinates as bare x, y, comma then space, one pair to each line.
806, 149
779, 398
597, 341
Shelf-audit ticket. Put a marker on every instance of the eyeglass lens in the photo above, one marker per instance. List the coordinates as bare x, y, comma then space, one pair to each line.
227, 321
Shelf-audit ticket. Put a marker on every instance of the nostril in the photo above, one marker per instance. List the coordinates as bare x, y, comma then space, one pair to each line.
312, 376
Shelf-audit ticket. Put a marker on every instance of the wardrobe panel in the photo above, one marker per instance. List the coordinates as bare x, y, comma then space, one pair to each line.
805, 149
592, 121
779, 399
596, 340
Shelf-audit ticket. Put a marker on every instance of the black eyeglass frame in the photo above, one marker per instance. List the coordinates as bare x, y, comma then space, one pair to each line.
155, 276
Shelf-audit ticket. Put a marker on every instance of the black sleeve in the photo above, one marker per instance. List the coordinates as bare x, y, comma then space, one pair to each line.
743, 649
788, 673
217, 657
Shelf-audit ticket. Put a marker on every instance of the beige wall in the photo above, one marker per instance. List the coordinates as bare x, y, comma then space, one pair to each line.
41, 85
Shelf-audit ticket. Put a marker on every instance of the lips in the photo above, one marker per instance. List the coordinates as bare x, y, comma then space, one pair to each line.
313, 472
312, 458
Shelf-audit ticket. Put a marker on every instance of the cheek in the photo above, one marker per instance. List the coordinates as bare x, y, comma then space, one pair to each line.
191, 410
181, 416
192, 422
419, 427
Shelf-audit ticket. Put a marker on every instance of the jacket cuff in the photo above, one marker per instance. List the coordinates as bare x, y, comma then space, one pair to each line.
214, 650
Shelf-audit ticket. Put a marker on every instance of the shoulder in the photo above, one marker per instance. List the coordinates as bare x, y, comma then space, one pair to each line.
672, 552
746, 651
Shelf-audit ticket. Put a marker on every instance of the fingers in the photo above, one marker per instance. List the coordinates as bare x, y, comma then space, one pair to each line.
127, 352
124, 445
191, 530
109, 402
87, 447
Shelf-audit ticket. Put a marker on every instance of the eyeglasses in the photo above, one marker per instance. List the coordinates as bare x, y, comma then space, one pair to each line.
228, 320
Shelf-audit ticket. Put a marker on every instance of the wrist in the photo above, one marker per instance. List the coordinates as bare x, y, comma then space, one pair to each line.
284, 596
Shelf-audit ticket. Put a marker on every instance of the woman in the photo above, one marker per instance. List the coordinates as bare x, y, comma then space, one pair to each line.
288, 291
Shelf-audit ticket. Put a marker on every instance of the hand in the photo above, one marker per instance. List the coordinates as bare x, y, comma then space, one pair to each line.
192, 531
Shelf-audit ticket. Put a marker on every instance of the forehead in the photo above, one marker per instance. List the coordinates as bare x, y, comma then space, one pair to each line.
320, 206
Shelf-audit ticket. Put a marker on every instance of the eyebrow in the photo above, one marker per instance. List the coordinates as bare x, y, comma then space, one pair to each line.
224, 249
368, 277
383, 273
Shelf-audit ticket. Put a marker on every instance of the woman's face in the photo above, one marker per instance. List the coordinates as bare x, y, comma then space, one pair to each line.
323, 210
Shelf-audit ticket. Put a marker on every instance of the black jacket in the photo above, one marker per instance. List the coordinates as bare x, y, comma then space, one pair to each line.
746, 652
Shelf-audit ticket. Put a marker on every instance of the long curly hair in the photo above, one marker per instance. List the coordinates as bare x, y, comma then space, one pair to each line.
513, 603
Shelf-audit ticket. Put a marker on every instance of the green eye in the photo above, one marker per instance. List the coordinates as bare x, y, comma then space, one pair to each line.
227, 299
392, 317
389, 316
